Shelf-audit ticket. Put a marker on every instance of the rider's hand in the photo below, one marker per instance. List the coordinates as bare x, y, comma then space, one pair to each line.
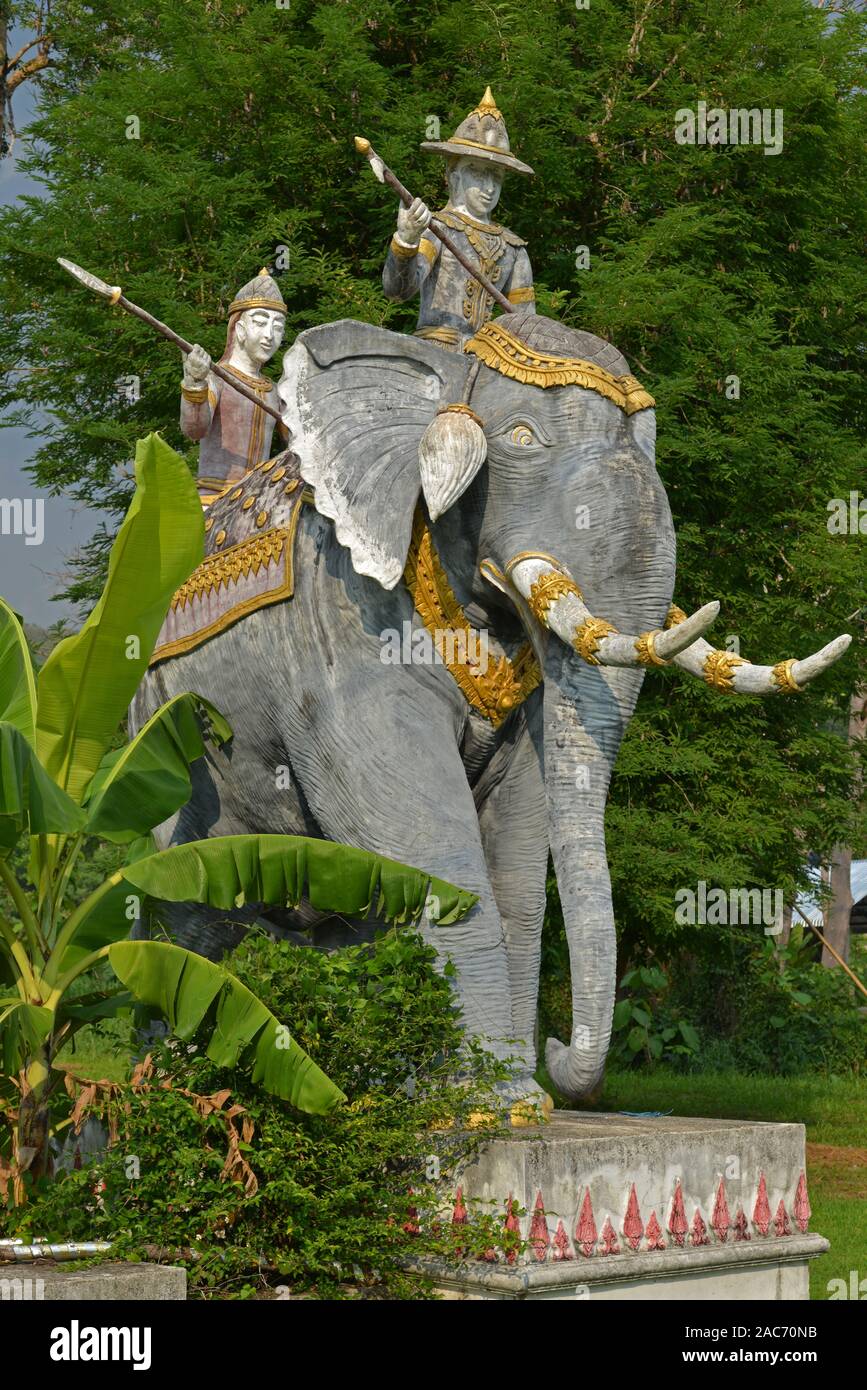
412, 221
197, 364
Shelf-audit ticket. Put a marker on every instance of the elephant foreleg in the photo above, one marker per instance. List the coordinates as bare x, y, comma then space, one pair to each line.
391, 780
510, 796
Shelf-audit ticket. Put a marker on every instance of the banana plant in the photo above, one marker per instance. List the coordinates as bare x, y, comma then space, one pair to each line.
62, 780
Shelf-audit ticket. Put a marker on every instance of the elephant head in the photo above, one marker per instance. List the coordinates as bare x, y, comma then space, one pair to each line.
538, 438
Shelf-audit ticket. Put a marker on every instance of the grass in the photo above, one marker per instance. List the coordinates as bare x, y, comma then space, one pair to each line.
102, 1053
834, 1110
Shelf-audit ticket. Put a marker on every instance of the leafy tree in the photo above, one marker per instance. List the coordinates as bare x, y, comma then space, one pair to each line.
706, 263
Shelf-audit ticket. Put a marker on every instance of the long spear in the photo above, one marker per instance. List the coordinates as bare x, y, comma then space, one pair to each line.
114, 295
385, 175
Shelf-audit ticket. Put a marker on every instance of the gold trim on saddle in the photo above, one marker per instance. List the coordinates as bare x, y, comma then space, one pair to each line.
500, 349
494, 691
439, 333
264, 561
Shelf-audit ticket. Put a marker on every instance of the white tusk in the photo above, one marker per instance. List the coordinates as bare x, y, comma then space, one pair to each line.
725, 671
557, 602
812, 666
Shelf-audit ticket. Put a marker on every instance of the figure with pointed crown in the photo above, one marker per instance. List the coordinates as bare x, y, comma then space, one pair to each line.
454, 305
235, 435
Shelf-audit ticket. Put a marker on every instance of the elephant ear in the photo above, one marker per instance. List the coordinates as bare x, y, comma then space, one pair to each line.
358, 400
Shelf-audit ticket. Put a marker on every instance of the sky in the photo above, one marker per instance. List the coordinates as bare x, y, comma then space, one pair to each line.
31, 573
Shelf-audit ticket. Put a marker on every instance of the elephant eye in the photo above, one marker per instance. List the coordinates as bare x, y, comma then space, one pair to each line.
523, 436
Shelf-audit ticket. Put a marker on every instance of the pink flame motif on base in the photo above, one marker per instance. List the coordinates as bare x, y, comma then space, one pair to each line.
781, 1220
677, 1220
609, 1239
803, 1210
539, 1237
585, 1232
460, 1217
633, 1226
721, 1221
654, 1234
698, 1235
762, 1209
511, 1224
742, 1226
561, 1244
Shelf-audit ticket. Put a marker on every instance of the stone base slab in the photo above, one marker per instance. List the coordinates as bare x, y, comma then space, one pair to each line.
619, 1206
740, 1274
48, 1281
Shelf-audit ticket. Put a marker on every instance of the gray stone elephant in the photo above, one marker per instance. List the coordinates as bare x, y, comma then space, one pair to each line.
367, 709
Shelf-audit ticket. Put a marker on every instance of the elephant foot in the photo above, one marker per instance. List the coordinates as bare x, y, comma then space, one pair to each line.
524, 1102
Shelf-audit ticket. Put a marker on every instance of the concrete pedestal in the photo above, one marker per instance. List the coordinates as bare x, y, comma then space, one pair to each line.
620, 1207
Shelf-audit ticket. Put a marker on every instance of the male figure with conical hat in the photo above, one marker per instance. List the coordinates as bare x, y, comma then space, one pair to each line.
453, 304
235, 435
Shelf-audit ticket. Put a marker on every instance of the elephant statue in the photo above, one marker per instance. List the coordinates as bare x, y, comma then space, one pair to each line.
482, 564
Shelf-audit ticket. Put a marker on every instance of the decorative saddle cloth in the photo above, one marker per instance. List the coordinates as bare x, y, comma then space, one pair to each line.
250, 532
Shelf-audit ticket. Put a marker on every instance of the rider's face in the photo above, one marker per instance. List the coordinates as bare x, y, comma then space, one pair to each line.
476, 184
261, 334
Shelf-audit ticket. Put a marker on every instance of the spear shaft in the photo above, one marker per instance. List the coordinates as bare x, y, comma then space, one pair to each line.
382, 172
113, 294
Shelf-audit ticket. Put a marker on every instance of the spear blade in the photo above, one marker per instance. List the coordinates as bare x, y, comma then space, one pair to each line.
115, 295
377, 165
92, 282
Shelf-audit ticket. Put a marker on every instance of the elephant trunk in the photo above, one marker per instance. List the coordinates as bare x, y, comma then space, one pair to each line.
583, 723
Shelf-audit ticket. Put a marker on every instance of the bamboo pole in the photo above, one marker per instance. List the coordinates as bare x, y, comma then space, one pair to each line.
828, 947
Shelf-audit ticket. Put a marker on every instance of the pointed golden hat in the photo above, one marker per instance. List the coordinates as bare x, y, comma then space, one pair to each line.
482, 135
259, 293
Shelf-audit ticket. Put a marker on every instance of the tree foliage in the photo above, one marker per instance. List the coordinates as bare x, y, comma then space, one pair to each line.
706, 263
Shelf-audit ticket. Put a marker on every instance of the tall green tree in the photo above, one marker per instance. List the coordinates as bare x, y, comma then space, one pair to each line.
182, 146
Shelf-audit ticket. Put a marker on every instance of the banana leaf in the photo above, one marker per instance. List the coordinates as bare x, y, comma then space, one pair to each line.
88, 681
29, 800
81, 1011
186, 989
23, 1030
17, 686
140, 786
279, 870
112, 916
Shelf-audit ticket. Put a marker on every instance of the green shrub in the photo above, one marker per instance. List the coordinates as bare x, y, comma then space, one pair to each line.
729, 1001
764, 1007
316, 1202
